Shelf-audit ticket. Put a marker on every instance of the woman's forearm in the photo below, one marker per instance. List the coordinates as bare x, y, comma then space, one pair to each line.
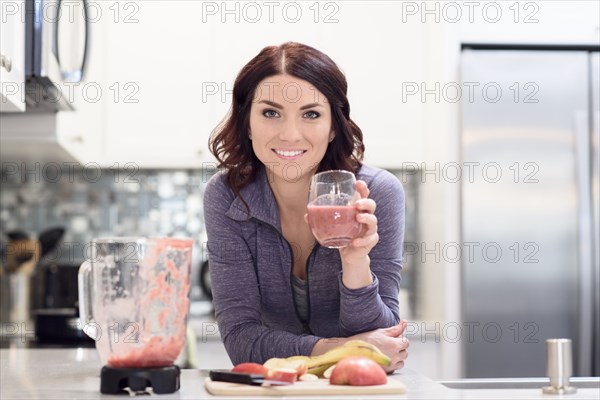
253, 342
358, 274
372, 306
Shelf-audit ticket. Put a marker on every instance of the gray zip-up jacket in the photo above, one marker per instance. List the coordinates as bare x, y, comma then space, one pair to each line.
251, 272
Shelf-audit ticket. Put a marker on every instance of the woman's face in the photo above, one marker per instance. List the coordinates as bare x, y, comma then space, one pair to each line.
290, 126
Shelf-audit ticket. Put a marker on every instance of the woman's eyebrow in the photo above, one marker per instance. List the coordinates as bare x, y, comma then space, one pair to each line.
271, 104
311, 105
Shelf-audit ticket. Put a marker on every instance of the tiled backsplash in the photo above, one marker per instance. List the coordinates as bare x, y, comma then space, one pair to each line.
91, 203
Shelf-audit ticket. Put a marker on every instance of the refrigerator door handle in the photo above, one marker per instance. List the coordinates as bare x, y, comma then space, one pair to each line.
585, 241
595, 145
596, 239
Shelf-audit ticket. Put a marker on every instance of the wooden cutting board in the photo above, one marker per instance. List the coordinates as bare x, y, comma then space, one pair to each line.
301, 388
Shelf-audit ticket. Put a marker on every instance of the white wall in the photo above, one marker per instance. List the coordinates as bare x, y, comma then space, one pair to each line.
376, 53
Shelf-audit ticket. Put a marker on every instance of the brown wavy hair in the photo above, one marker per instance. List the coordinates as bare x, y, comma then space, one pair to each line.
230, 143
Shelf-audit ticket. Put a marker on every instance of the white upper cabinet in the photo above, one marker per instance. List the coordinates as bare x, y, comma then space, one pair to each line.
12, 56
157, 58
70, 136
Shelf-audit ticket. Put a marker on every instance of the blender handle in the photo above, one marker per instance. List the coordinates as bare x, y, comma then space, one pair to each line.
84, 293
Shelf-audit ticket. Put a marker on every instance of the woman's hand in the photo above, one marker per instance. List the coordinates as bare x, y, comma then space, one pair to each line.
356, 271
358, 250
355, 257
391, 342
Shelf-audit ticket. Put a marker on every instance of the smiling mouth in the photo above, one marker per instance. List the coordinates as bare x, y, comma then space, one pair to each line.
288, 153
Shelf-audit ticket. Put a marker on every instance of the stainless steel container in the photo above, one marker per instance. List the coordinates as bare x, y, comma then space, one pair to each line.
15, 304
559, 366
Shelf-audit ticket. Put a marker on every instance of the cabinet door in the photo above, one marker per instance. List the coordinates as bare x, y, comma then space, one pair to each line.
156, 57
70, 136
81, 132
12, 49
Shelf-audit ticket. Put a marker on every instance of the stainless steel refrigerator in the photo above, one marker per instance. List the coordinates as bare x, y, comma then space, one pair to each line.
529, 207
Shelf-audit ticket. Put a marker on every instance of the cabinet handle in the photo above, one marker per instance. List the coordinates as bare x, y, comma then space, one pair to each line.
77, 74
6, 62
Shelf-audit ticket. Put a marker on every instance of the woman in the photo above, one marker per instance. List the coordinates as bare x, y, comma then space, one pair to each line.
276, 291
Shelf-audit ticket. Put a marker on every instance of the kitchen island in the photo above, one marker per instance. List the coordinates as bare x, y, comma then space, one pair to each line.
74, 373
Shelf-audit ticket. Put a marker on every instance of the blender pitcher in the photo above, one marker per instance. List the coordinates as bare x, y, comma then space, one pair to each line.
134, 302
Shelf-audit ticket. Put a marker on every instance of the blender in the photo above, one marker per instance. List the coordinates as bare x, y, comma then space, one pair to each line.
134, 302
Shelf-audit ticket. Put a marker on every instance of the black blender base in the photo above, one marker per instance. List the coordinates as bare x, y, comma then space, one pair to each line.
162, 380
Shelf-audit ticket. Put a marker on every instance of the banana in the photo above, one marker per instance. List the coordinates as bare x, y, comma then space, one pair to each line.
319, 371
319, 364
361, 343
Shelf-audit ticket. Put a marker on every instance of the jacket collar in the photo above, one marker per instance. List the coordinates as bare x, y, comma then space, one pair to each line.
261, 201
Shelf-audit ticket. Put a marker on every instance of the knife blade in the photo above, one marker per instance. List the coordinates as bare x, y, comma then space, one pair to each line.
246, 379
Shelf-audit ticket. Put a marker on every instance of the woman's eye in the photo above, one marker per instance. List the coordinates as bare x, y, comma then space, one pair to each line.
270, 114
312, 114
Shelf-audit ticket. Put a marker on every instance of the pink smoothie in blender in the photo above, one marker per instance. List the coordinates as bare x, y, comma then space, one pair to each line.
134, 295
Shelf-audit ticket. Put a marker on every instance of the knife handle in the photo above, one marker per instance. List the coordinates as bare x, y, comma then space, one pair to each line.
236, 377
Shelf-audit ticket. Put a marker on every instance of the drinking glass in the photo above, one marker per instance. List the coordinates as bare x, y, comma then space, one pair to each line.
331, 209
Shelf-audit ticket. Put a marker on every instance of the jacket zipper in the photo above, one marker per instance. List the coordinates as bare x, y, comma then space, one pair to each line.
305, 325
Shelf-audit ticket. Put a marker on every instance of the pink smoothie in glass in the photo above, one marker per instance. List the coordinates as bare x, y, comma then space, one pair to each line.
333, 226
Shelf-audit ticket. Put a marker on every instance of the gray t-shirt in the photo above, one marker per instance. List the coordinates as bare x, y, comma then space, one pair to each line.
300, 297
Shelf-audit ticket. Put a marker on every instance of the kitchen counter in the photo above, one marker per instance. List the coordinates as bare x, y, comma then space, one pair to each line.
74, 374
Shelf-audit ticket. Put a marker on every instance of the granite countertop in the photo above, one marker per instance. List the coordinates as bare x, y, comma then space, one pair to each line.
74, 374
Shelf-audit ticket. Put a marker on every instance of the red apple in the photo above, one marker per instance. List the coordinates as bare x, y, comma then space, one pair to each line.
283, 374
358, 371
251, 368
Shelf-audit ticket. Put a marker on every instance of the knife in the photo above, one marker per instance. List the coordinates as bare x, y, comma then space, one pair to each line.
246, 379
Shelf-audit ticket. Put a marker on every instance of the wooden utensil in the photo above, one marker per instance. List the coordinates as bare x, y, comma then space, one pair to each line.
22, 256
